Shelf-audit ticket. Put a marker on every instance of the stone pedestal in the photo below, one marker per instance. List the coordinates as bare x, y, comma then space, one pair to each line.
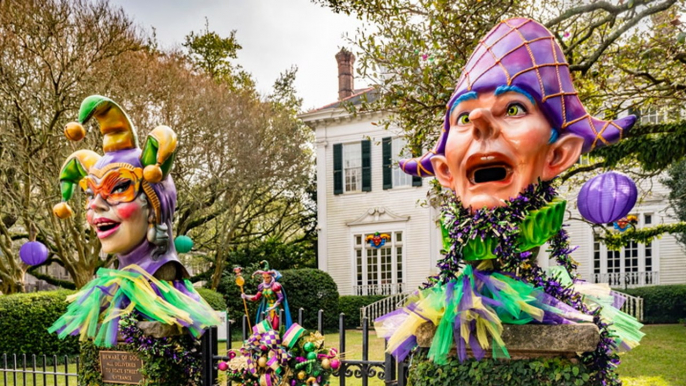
154, 354
534, 340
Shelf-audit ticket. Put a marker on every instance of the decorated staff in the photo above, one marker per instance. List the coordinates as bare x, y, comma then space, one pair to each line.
513, 124
240, 281
272, 296
131, 199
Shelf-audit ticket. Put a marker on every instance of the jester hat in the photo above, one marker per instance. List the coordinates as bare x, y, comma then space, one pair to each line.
151, 166
521, 53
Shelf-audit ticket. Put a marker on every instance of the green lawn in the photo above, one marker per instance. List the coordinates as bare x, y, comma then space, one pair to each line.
660, 360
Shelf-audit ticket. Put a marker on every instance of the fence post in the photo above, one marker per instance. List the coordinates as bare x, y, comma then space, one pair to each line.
206, 351
341, 347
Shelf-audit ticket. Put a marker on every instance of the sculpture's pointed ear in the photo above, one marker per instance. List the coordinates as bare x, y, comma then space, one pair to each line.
442, 171
562, 155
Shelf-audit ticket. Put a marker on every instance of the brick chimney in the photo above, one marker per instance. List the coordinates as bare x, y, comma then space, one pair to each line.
345, 60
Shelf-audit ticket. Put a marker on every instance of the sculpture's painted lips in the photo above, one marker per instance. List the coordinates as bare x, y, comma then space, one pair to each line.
105, 227
491, 167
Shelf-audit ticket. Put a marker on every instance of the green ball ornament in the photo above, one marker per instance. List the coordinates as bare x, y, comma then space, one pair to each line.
183, 244
311, 355
309, 347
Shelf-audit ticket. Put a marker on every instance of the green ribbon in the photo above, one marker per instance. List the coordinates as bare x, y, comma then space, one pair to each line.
537, 228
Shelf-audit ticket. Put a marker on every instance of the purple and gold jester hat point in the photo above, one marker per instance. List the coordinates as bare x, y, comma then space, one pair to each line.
120, 145
522, 53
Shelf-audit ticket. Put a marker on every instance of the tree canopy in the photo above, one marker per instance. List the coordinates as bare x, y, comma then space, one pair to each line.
626, 56
243, 167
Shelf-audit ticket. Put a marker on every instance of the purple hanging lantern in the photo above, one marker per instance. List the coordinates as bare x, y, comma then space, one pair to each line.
33, 253
607, 198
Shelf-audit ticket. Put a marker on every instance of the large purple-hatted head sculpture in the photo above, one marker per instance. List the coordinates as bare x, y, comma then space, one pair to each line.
514, 118
131, 196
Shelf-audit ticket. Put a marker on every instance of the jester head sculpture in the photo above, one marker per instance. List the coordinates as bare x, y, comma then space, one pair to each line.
131, 196
514, 118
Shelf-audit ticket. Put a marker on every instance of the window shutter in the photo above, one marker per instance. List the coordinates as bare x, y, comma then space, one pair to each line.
416, 181
366, 166
387, 150
338, 168
636, 112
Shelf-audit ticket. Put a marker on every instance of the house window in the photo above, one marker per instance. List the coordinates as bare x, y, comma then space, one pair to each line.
631, 266
393, 150
352, 170
352, 167
400, 178
379, 271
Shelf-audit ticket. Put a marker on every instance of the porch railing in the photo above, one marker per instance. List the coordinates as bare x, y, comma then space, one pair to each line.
632, 305
379, 289
628, 279
382, 307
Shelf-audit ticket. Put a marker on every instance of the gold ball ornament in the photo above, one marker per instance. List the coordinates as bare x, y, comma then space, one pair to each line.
74, 131
62, 210
326, 363
152, 173
262, 362
302, 375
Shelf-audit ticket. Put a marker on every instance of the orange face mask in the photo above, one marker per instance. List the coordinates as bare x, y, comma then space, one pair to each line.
116, 187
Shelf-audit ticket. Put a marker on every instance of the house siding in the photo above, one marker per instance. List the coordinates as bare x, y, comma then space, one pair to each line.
421, 236
337, 253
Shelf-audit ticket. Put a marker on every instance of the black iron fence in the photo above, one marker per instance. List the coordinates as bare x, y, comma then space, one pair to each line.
387, 370
41, 370
52, 370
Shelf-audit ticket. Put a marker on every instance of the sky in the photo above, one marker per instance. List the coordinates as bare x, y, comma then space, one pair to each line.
274, 34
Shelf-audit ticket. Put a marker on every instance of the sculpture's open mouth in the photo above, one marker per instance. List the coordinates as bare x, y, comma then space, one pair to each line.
104, 227
484, 168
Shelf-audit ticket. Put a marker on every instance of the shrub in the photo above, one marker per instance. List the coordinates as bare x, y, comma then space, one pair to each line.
350, 305
25, 318
487, 372
662, 304
308, 288
313, 290
213, 298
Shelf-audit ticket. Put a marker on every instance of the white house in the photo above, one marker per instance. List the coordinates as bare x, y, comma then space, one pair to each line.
361, 192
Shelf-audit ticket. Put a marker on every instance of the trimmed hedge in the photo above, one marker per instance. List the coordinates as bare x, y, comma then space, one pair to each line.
25, 318
663, 303
213, 298
489, 372
350, 305
312, 290
308, 288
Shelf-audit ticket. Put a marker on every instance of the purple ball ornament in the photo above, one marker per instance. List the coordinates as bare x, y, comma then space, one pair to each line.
607, 198
33, 253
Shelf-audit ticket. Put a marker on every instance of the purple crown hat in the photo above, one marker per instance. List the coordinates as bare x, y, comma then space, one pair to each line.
522, 53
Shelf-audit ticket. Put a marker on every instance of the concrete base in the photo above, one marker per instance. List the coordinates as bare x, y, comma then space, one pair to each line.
535, 340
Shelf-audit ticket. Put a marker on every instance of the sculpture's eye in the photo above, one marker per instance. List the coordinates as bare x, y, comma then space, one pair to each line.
121, 187
463, 119
89, 194
515, 110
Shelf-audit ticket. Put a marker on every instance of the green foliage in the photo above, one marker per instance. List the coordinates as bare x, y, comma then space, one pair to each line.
312, 290
662, 304
487, 372
350, 305
25, 319
161, 365
213, 298
676, 183
615, 241
279, 254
